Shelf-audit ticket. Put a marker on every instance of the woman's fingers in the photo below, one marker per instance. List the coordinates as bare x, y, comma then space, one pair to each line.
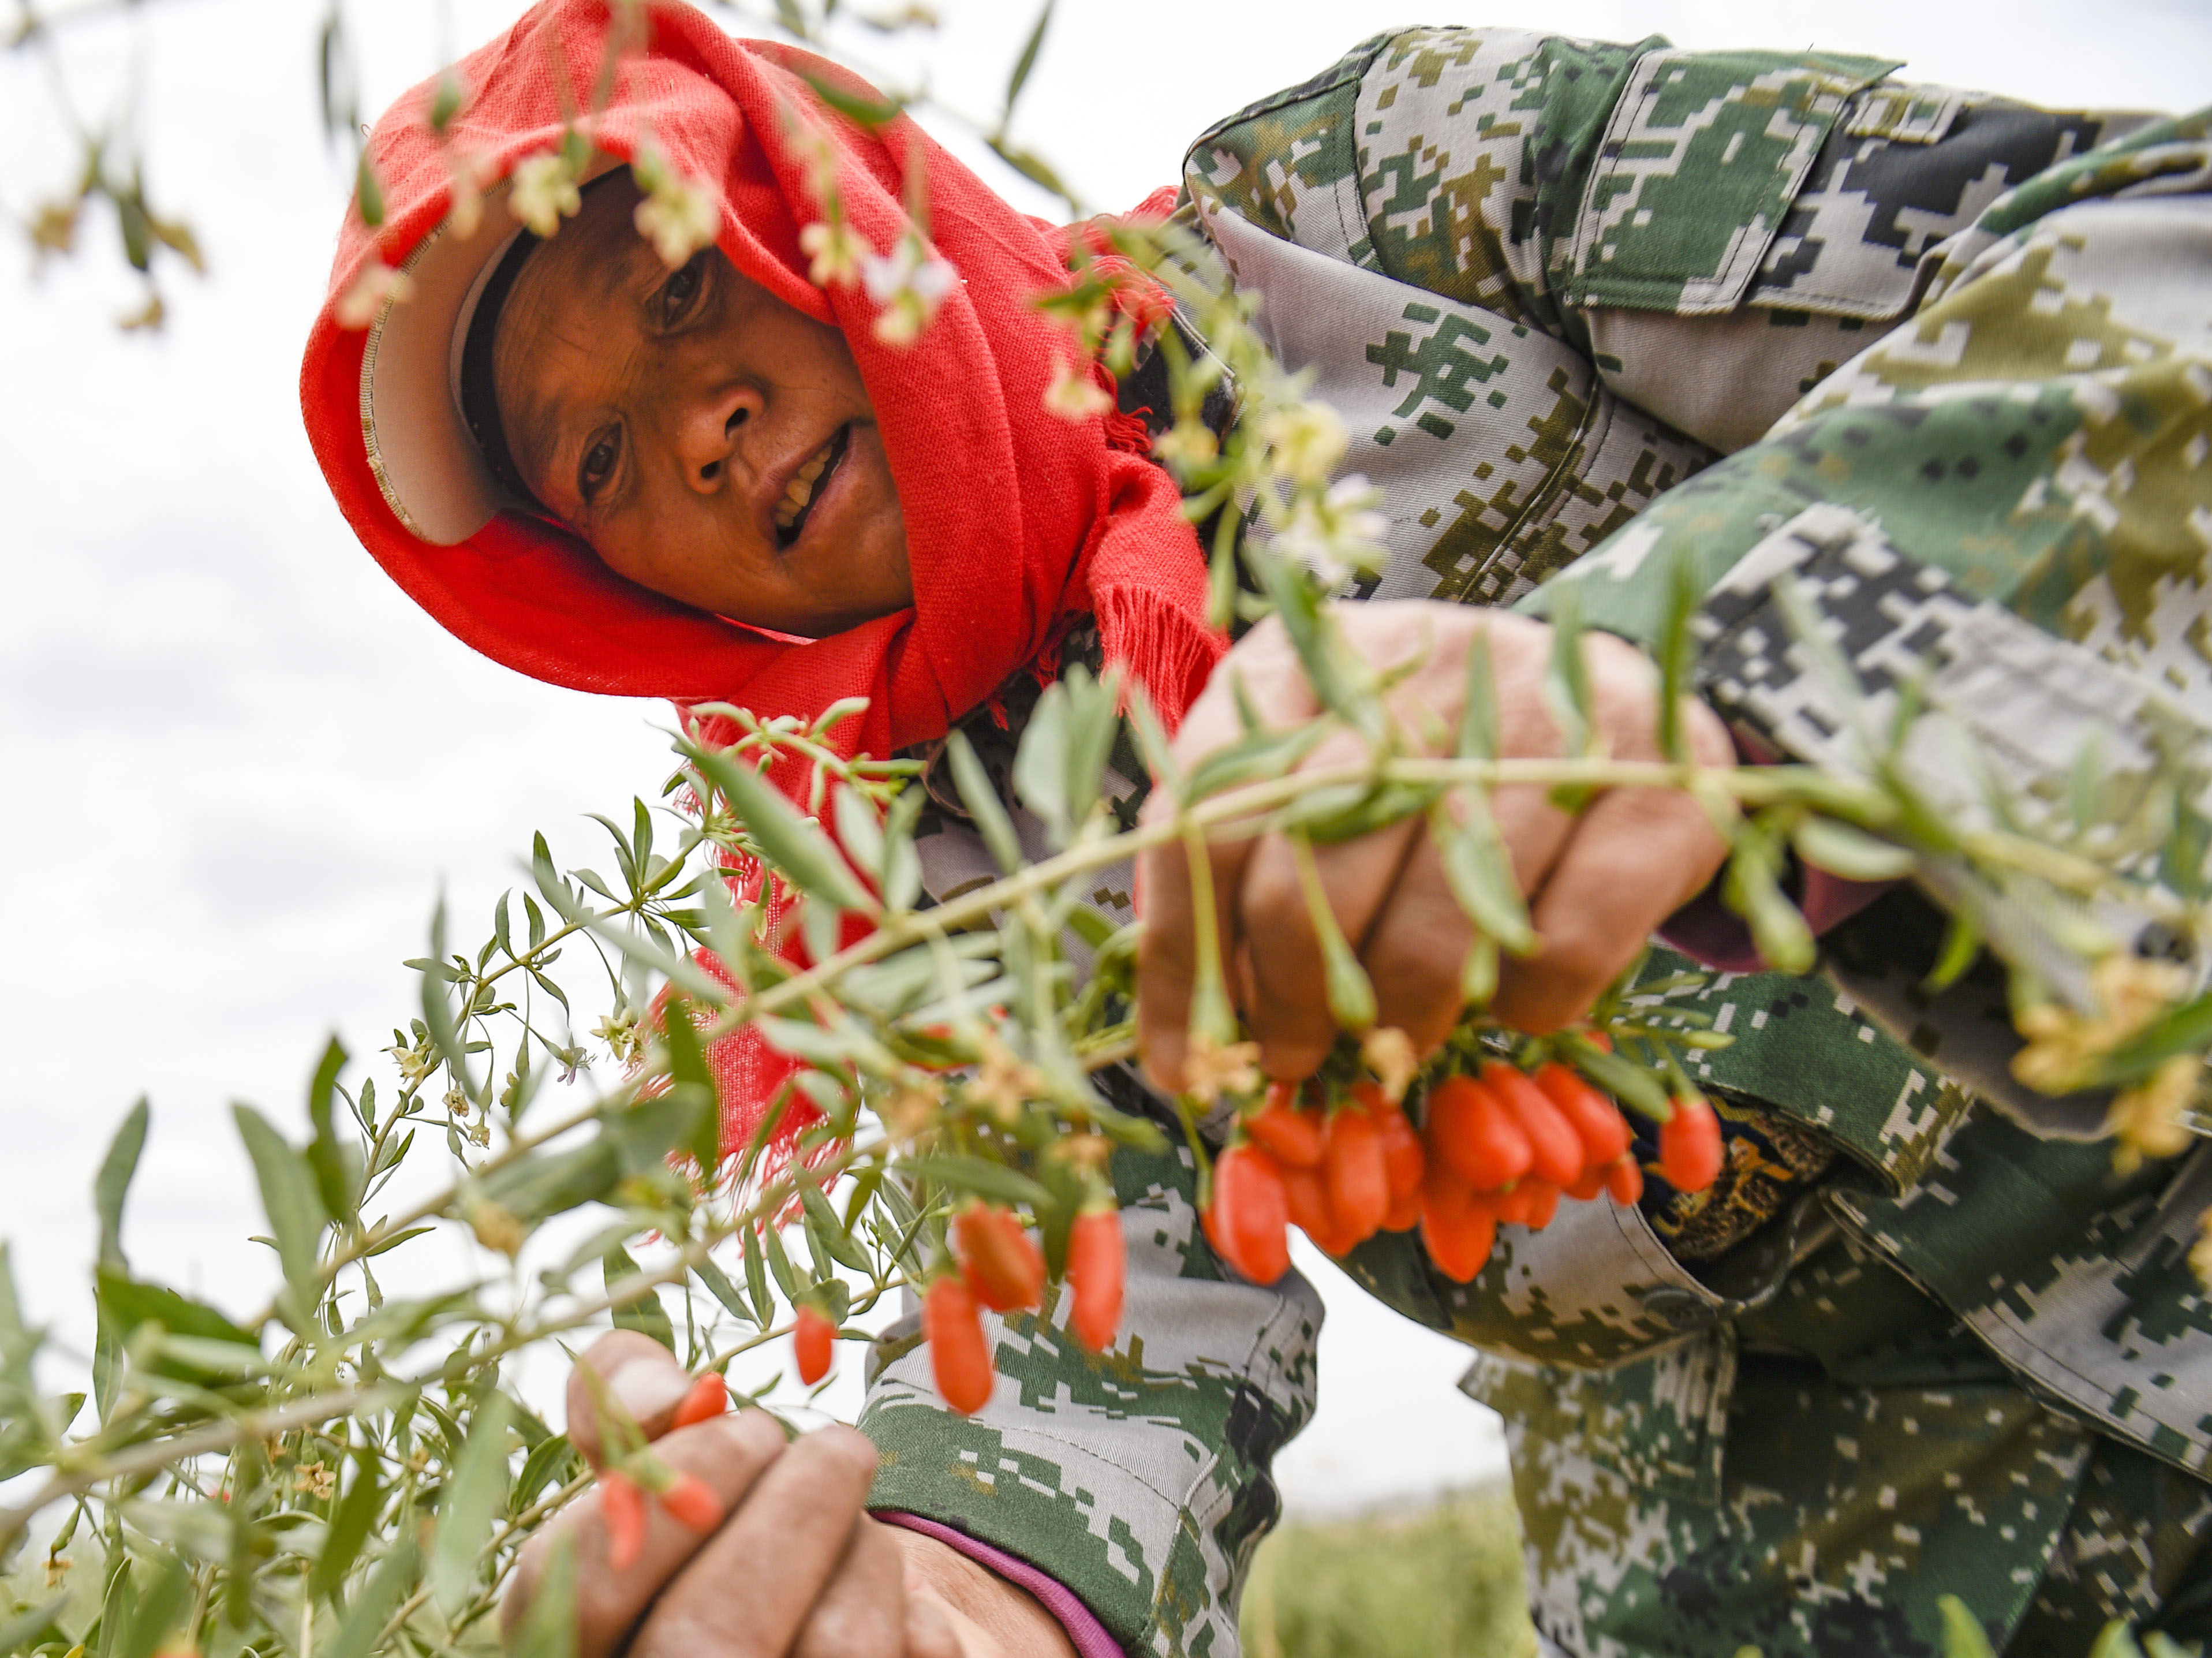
749, 1590
637, 1373
730, 1452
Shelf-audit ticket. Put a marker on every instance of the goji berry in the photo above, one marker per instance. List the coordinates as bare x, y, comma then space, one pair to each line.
1305, 1202
692, 1501
1459, 1246
1404, 1214
622, 1510
811, 1336
1473, 1133
1358, 1181
1690, 1145
1444, 1195
1291, 1136
1251, 1214
1532, 1204
1005, 1270
1096, 1259
1557, 1149
1624, 1181
1403, 1160
1597, 1120
708, 1398
958, 1358
1588, 1185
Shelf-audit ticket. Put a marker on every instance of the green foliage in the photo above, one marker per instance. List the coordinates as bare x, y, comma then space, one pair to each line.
1445, 1582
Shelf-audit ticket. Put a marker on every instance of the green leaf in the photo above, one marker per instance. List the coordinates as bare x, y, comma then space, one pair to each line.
26, 1628
387, 1586
200, 1528
113, 1183
1253, 758
295, 1213
474, 1495
1963, 1634
1751, 888
350, 1526
985, 809
1849, 850
687, 1066
780, 1264
369, 193
1480, 872
337, 1165
2184, 1029
156, 1608
645, 1314
793, 843
1625, 1080
757, 1279
1025, 63
959, 1172
1677, 654
859, 830
1478, 720
126, 1305
552, 1459
552, 1183
835, 1238
1567, 690
719, 1286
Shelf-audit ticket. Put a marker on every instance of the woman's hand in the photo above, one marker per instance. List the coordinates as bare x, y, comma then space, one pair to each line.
1597, 883
797, 1568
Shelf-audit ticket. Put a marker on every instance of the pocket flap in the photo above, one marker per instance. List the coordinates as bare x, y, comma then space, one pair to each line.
1697, 169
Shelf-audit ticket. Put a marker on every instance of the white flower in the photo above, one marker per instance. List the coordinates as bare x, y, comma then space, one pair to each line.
909, 283
681, 216
545, 193
377, 283
1337, 533
468, 170
1075, 397
1306, 441
836, 249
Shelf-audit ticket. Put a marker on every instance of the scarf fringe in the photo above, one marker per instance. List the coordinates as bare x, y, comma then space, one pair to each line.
1162, 646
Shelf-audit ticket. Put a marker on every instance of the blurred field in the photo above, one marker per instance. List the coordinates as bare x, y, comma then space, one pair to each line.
1444, 1581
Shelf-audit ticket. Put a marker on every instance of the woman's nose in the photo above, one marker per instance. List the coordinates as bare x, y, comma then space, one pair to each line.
708, 433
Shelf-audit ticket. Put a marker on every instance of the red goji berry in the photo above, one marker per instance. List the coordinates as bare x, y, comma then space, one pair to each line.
1005, 1270
708, 1398
1557, 1149
1444, 1195
1289, 1134
622, 1510
1305, 1202
1624, 1181
1460, 1247
1096, 1260
1597, 1120
1588, 1185
692, 1501
1251, 1214
1532, 1204
1690, 1152
811, 1338
959, 1359
1471, 1131
1357, 1179
1404, 1161
1404, 1214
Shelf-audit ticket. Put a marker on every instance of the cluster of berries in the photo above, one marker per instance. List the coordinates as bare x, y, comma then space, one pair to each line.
1502, 1146
626, 1480
999, 1265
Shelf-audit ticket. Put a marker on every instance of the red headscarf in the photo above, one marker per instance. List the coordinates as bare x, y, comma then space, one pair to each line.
1014, 517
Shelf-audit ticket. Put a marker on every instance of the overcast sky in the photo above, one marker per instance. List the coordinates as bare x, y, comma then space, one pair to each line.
236, 766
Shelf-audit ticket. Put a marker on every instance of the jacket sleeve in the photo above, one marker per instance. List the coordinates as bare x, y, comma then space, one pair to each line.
1139, 1478
2006, 504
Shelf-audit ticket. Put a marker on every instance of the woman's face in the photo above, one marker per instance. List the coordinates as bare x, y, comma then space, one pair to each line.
706, 440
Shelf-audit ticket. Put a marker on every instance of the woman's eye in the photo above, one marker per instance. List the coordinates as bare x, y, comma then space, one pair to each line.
596, 466
680, 290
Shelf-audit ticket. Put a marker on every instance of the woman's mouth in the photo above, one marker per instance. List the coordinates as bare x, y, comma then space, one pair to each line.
806, 485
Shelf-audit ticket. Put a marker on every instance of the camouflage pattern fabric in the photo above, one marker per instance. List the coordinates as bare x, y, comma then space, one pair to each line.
1596, 308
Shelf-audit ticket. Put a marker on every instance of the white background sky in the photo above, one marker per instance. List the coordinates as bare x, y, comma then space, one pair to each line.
236, 765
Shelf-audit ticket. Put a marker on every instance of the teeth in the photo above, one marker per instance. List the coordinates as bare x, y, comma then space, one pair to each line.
800, 489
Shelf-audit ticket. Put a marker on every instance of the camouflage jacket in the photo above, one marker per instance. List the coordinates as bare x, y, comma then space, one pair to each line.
1945, 358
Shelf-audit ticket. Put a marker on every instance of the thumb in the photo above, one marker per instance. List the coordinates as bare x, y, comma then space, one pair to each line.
635, 1372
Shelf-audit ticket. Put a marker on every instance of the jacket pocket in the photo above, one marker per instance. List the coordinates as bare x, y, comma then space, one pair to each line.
1695, 171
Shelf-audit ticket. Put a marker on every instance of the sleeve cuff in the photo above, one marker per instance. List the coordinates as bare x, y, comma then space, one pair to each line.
1084, 1631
